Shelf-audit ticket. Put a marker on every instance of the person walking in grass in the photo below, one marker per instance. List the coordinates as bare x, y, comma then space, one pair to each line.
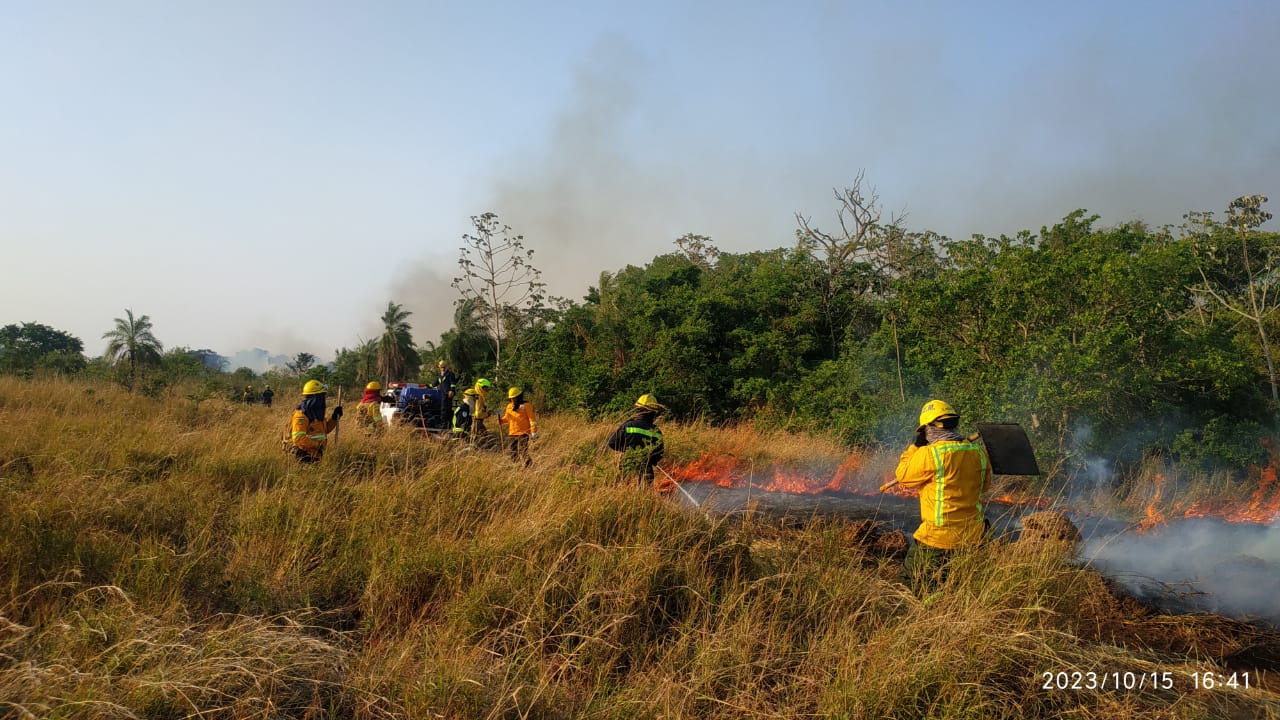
309, 429
521, 425
639, 439
951, 473
267, 394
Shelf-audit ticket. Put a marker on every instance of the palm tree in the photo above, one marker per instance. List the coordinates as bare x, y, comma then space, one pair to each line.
366, 360
132, 341
467, 344
395, 348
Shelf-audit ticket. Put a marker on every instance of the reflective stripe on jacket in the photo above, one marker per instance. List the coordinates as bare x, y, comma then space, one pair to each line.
310, 436
951, 476
462, 418
638, 431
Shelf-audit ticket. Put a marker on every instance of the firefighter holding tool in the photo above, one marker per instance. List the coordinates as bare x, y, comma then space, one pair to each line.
951, 472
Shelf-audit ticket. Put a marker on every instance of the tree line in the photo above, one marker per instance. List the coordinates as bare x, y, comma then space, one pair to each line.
1119, 341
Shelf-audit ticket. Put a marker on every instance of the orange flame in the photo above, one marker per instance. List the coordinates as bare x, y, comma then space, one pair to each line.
849, 477
720, 470
1038, 503
1152, 514
724, 471
1263, 506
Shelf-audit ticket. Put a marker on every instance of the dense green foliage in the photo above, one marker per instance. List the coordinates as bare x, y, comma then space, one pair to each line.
32, 346
1099, 340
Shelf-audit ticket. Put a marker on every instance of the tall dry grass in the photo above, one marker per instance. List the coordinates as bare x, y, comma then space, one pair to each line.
165, 559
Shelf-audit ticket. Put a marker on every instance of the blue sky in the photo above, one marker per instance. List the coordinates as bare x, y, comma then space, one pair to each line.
273, 173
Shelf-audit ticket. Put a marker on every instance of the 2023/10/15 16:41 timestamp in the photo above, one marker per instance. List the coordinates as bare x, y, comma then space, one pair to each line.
1149, 680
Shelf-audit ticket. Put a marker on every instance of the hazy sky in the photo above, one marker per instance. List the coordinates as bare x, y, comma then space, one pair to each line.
271, 174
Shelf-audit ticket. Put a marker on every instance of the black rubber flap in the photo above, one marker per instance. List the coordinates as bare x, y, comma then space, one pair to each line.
1009, 449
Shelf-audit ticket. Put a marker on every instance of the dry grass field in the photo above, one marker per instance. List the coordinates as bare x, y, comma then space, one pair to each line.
164, 559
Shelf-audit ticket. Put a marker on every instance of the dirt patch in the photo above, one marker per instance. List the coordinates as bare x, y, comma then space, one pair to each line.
1049, 526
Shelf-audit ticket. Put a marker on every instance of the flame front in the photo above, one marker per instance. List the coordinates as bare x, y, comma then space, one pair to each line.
725, 471
1262, 507
851, 476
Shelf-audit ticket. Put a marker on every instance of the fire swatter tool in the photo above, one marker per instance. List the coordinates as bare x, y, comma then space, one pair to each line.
1007, 447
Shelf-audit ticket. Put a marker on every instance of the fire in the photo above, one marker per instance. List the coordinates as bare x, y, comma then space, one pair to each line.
1038, 503
1261, 507
724, 471
721, 470
849, 477
1152, 513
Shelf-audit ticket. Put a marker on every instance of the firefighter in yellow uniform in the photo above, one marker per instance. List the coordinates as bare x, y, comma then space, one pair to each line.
479, 433
521, 425
369, 409
309, 429
951, 473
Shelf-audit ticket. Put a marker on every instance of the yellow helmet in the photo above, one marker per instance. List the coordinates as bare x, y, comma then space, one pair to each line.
936, 410
650, 402
440, 363
470, 392
314, 387
512, 393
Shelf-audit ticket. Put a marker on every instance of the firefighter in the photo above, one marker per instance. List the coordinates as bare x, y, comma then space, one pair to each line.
369, 410
481, 410
446, 381
462, 415
267, 394
951, 473
480, 434
639, 439
521, 425
309, 428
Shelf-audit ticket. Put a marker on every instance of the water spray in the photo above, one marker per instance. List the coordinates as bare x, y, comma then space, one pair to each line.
681, 488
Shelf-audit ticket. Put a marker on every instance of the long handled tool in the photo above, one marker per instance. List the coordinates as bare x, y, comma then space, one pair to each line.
1007, 447
338, 419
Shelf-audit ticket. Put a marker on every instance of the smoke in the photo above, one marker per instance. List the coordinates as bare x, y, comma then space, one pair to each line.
425, 288
647, 146
614, 185
1199, 564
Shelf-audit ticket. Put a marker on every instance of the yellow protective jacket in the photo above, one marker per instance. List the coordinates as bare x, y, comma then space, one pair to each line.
952, 475
519, 420
481, 411
309, 436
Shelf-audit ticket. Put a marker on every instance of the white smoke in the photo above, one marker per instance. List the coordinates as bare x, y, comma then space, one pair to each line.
1197, 564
